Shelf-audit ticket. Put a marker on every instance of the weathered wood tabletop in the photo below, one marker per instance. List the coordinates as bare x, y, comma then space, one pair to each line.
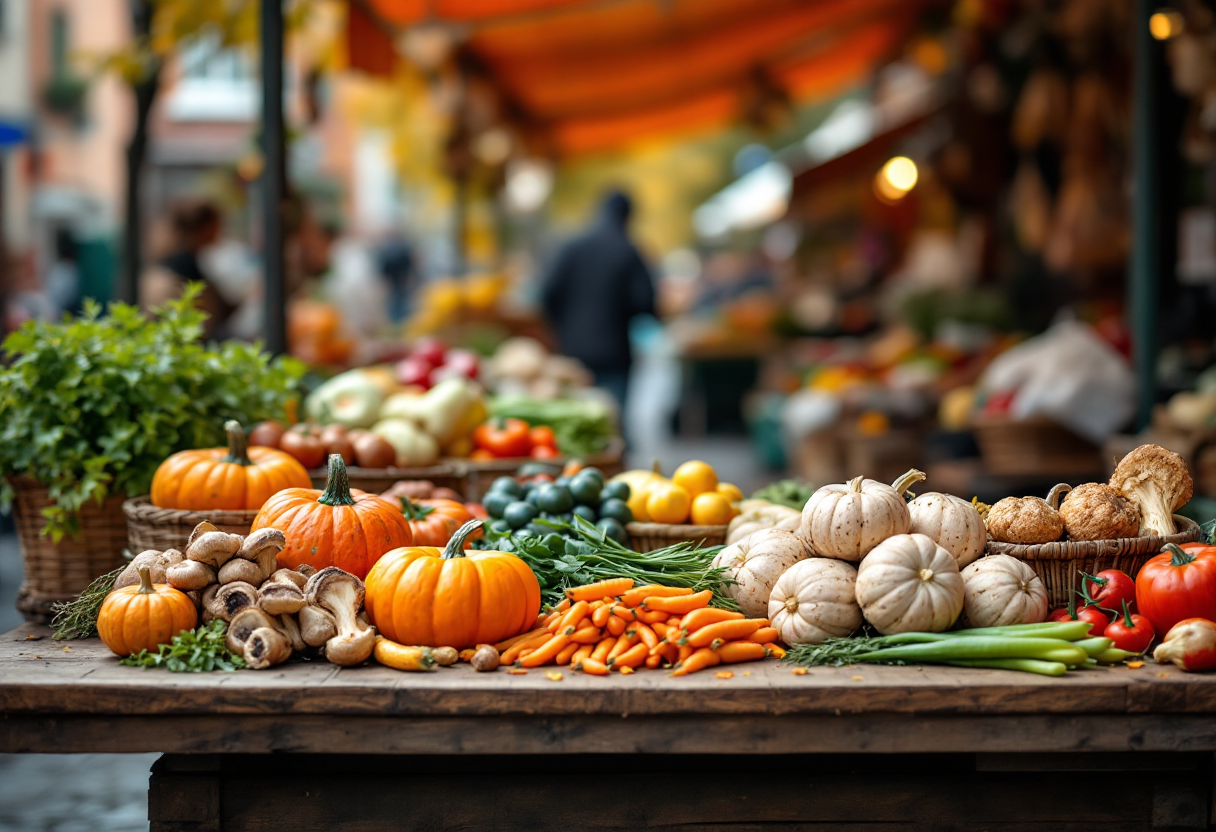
74, 696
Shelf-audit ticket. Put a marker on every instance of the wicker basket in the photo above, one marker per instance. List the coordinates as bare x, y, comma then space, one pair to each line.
149, 527
1058, 563
646, 537
378, 480
1034, 447
480, 474
61, 571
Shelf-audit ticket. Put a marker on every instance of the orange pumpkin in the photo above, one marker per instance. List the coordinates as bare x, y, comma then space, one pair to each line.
433, 522
339, 526
443, 598
144, 615
232, 478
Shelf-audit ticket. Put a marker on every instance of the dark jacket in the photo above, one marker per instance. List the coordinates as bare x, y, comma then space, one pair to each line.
595, 285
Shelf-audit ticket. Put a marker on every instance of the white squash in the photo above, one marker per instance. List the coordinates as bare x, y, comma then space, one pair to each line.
952, 522
847, 520
765, 517
814, 601
755, 563
1001, 590
910, 584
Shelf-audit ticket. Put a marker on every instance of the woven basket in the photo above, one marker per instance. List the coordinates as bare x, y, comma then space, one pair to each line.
1058, 563
1033, 447
646, 537
480, 474
149, 527
379, 480
61, 571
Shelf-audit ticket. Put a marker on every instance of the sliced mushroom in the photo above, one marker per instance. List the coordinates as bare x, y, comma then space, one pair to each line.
341, 594
214, 548
265, 648
239, 569
190, 574
287, 625
208, 605
279, 598
242, 626
232, 598
150, 558
289, 576
316, 626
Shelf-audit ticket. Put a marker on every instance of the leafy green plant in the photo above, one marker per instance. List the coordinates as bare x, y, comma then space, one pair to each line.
200, 650
91, 406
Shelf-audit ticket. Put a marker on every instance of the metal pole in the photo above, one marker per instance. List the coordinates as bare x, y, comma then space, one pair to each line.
273, 184
1142, 290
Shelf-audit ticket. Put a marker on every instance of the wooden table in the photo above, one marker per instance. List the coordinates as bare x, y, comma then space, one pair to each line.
371, 748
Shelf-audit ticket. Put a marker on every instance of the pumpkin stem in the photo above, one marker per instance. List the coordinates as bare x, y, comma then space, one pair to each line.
413, 511
1179, 556
905, 482
145, 581
337, 484
926, 575
1056, 494
455, 547
238, 444
855, 485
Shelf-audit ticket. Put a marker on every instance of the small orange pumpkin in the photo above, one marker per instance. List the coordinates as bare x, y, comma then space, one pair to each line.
444, 598
143, 616
434, 521
339, 526
232, 478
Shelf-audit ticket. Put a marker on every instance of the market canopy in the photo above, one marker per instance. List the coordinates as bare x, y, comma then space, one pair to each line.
579, 76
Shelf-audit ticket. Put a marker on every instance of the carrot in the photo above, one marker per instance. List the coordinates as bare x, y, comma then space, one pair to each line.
670, 653
764, 635
660, 629
699, 660
466, 655
593, 668
776, 651
587, 635
600, 653
608, 586
741, 651
697, 619
623, 643
646, 634
546, 652
682, 654
726, 631
654, 662
516, 651
616, 626
600, 617
574, 617
681, 604
541, 618
567, 653
562, 605
653, 616
522, 637
632, 657
639, 594
583, 652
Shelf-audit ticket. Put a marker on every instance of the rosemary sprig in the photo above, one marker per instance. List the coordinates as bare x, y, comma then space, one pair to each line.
835, 652
78, 618
200, 650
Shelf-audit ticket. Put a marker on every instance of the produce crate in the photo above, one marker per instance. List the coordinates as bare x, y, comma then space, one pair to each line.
480, 474
1034, 446
149, 527
61, 571
646, 537
449, 474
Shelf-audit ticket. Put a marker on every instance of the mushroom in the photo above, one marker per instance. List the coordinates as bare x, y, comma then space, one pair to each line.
200, 530
287, 625
1095, 511
207, 603
445, 656
1158, 482
307, 570
280, 597
316, 626
289, 575
341, 594
171, 556
239, 569
213, 548
196, 595
242, 626
265, 648
263, 547
232, 598
1024, 520
150, 558
190, 574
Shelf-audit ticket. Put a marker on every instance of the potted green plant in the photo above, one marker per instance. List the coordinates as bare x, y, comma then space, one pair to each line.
89, 408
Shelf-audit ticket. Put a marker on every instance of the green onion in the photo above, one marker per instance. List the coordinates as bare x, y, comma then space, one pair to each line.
1094, 647
1026, 665
1115, 656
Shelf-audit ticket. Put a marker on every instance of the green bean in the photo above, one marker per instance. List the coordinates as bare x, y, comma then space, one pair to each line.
1066, 630
979, 648
1115, 656
1094, 646
1025, 665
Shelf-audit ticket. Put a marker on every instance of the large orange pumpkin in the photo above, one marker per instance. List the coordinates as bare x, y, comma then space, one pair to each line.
144, 615
434, 521
232, 478
445, 598
339, 526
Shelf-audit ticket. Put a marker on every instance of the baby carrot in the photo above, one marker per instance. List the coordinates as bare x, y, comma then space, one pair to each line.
682, 654
681, 604
587, 635
546, 652
764, 635
515, 651
670, 653
654, 662
567, 653
600, 653
522, 637
583, 652
574, 617
646, 634
626, 641
616, 626
627, 613
726, 631
600, 617
593, 668
608, 586
660, 629
741, 651
697, 619
639, 594
699, 660
466, 655
653, 616
776, 651
632, 657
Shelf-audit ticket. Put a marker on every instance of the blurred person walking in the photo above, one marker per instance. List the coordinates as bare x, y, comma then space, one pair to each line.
594, 287
194, 225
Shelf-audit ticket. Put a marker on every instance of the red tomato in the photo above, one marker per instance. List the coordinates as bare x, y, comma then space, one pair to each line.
1133, 633
1097, 619
481, 455
1177, 584
543, 435
503, 437
545, 452
1109, 589
429, 350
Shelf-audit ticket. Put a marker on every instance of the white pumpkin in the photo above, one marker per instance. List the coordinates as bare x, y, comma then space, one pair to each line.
765, 517
1001, 590
814, 601
755, 563
910, 584
952, 522
847, 520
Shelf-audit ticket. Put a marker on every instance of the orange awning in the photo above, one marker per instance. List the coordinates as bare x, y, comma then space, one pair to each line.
590, 75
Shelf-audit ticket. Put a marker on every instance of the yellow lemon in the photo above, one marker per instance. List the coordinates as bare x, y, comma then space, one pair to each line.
668, 503
695, 477
730, 491
637, 502
711, 509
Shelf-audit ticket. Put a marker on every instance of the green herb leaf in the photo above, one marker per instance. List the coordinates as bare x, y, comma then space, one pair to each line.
200, 650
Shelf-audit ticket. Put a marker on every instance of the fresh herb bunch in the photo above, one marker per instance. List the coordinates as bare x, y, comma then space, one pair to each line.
582, 426
560, 562
200, 650
90, 407
789, 493
78, 618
